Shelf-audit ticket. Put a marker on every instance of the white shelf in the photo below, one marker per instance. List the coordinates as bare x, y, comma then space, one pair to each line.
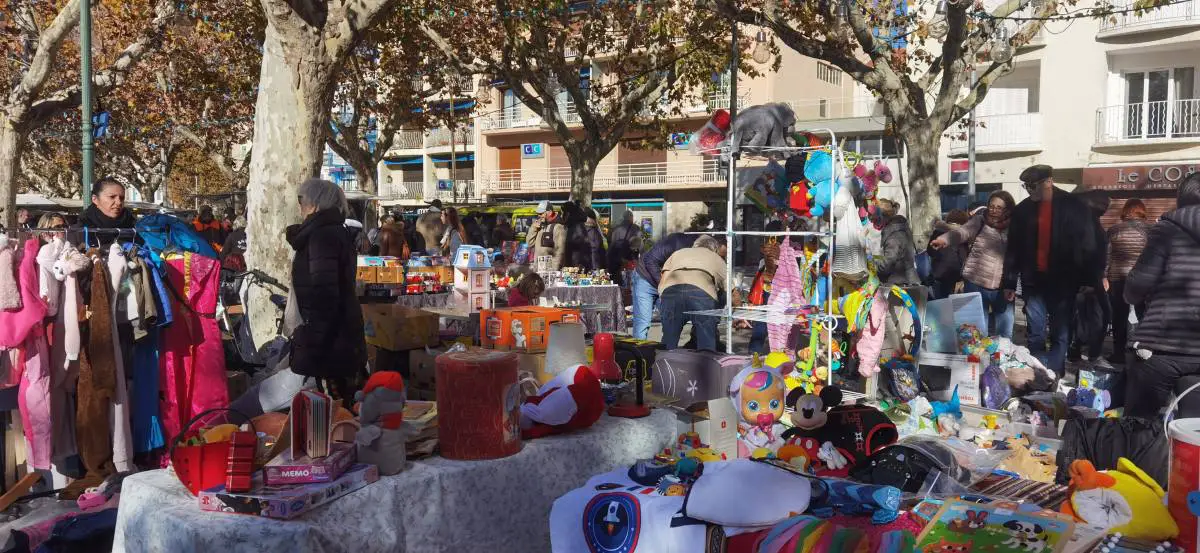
765, 314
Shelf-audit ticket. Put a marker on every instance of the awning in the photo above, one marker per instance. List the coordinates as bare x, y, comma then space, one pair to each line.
403, 161
446, 158
445, 106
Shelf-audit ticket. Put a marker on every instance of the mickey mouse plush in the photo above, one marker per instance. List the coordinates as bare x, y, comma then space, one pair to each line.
851, 432
802, 443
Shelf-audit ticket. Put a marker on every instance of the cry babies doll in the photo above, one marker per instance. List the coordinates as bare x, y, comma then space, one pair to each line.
758, 393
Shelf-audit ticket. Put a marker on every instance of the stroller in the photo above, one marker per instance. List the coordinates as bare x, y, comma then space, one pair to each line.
235, 288
273, 384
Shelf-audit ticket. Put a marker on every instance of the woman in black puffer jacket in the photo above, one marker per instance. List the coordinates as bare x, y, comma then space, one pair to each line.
1167, 278
329, 344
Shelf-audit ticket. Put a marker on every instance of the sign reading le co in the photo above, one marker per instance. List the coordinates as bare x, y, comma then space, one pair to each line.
1137, 177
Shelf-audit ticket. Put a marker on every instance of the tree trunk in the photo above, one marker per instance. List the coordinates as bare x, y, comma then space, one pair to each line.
922, 180
293, 104
12, 143
583, 178
368, 183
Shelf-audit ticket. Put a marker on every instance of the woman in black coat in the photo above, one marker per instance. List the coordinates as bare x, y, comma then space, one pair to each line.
585, 242
329, 344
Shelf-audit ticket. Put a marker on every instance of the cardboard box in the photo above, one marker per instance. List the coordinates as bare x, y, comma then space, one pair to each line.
715, 421
286, 503
496, 327
366, 274
422, 368
535, 364
942, 372
389, 275
285, 470
399, 328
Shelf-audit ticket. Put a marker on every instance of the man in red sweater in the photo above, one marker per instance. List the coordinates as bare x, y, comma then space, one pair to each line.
1053, 250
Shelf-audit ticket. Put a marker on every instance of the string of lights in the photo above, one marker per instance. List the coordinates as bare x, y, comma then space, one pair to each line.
1078, 13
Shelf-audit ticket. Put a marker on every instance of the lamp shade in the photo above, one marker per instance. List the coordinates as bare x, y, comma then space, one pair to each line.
604, 359
565, 347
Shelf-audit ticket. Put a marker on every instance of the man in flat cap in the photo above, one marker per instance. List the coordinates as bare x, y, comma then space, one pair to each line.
1054, 251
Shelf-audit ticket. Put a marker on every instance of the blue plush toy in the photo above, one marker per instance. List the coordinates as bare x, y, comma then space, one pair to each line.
831, 497
818, 169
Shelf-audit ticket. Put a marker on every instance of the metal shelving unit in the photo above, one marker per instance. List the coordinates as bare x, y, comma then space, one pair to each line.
774, 314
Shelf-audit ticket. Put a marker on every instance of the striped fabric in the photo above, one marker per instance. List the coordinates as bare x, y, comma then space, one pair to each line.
1167, 278
787, 290
1048, 495
1126, 240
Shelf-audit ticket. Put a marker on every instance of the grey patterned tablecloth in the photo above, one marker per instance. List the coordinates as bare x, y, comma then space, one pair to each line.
436, 506
421, 301
609, 318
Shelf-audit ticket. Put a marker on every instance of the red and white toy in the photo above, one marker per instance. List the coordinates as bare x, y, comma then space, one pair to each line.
572, 400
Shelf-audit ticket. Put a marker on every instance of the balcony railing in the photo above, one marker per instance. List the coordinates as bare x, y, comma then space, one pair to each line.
1153, 121
440, 137
836, 108
407, 140
1012, 132
405, 190
1170, 14
465, 189
680, 174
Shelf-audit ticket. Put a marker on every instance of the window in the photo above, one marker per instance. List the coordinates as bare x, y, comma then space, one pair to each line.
873, 145
1161, 103
954, 196
823, 106
829, 73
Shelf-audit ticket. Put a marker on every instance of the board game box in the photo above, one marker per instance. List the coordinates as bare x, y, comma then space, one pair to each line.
285, 470
286, 502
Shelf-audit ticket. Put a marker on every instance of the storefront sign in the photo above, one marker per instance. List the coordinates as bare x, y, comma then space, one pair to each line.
532, 151
1137, 177
445, 184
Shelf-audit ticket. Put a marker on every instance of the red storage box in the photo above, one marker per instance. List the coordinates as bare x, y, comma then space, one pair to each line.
205, 466
479, 405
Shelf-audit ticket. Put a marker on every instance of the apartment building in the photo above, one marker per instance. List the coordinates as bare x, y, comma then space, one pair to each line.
1111, 103
437, 163
519, 159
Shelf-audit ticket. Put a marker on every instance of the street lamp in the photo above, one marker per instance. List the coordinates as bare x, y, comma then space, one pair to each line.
85, 99
762, 49
1001, 51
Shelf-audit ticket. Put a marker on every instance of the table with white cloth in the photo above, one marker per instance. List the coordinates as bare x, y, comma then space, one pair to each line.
436, 505
603, 309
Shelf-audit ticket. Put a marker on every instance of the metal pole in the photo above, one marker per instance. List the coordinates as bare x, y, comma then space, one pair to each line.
733, 155
85, 98
453, 151
971, 152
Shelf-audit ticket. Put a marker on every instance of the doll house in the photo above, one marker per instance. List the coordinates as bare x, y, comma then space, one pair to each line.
473, 278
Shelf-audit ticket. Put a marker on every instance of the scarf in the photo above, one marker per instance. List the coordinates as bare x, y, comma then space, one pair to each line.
998, 222
94, 218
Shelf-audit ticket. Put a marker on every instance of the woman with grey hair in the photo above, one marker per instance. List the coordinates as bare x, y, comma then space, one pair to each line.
329, 343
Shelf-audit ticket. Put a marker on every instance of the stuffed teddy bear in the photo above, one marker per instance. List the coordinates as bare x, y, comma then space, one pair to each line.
758, 393
1125, 500
758, 128
819, 171
381, 437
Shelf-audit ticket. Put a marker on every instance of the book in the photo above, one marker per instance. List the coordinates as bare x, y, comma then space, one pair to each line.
286, 502
311, 423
